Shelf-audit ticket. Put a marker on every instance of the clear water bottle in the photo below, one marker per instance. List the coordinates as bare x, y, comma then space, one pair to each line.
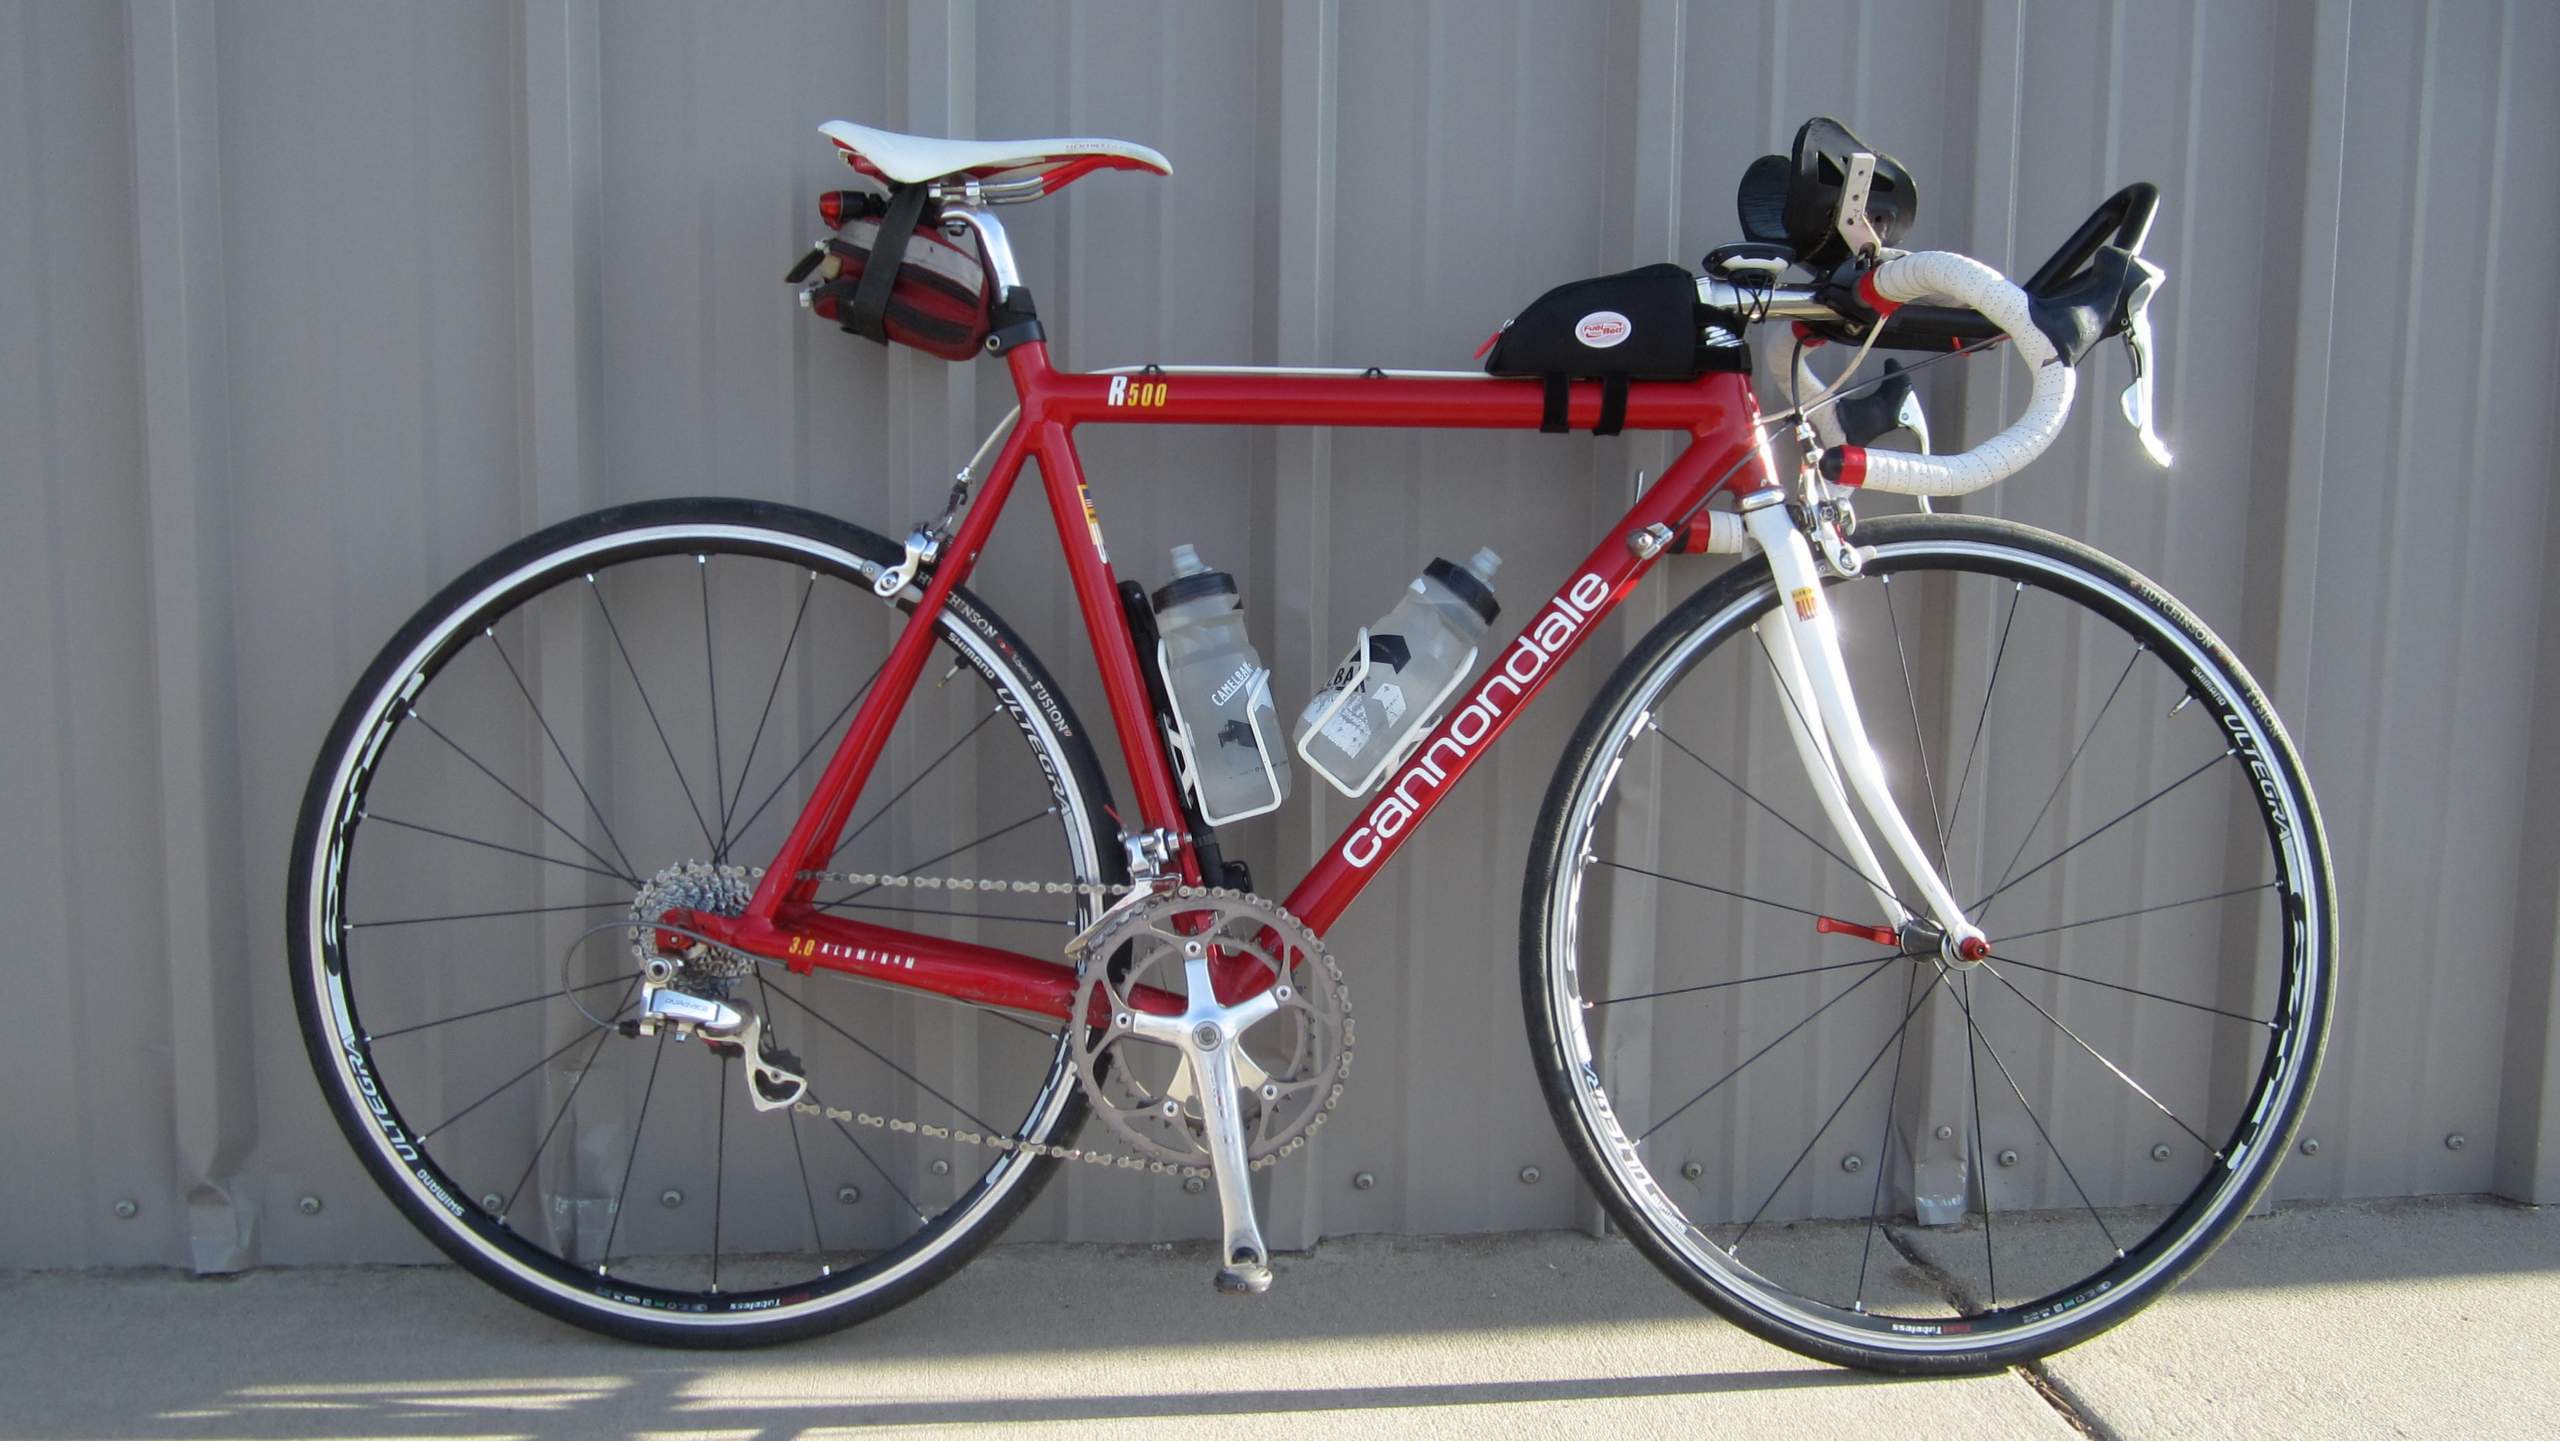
1226, 733
1399, 674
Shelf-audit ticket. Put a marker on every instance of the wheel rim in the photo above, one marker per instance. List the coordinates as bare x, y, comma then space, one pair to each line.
1792, 1186
610, 1174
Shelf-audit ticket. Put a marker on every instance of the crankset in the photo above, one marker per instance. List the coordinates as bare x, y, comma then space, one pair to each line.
1215, 1027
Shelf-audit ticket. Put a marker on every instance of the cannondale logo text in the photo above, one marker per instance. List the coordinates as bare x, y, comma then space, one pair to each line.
1521, 669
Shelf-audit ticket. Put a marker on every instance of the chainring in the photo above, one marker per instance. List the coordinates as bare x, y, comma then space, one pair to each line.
1294, 1060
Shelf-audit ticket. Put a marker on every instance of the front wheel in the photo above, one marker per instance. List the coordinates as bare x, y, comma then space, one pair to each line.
627, 712
1896, 1160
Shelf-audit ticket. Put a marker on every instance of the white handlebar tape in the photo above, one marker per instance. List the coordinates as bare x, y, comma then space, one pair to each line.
1939, 275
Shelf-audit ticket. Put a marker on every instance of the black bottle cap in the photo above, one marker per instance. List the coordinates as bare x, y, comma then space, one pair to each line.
1463, 584
1193, 586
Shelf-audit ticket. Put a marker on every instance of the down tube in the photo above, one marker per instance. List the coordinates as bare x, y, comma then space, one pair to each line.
1513, 679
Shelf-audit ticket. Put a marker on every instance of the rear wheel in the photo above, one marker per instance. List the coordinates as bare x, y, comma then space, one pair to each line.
1875, 1154
641, 700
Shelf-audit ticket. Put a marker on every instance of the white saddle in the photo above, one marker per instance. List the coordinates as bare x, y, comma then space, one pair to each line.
913, 159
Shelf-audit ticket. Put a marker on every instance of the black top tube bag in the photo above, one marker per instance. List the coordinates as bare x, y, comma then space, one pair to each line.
1643, 324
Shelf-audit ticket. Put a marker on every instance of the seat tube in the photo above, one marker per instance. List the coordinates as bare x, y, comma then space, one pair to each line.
1098, 597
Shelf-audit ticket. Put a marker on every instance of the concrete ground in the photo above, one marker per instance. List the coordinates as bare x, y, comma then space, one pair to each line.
2401, 1319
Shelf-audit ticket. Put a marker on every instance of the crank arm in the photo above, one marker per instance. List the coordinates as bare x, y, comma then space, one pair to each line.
1244, 1263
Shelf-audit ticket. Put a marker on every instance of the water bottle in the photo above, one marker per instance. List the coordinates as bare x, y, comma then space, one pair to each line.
1226, 734
1399, 674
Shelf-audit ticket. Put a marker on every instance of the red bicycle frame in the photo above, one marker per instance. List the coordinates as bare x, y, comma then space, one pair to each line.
782, 923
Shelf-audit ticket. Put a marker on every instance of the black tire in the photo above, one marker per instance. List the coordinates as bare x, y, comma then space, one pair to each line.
361, 1094
1600, 1087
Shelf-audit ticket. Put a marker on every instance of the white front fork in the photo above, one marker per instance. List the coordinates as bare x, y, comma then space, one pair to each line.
1804, 643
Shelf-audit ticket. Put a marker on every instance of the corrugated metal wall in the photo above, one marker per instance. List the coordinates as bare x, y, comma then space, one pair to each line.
306, 306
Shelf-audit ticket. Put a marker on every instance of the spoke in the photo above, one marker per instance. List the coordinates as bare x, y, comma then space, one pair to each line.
1742, 981
1764, 1050
565, 833
2049, 796
1973, 1081
2144, 911
1719, 774
791, 1114
2038, 1121
491, 845
550, 995
557, 1116
2102, 1060
891, 804
1919, 747
556, 748
485, 915
1979, 721
432, 1131
719, 1159
1909, 1010
2132, 991
1703, 886
719, 768
1892, 1097
650, 707
814, 1014
823, 732
1005, 830
729, 812
2022, 879
865, 1152
631, 1161
955, 915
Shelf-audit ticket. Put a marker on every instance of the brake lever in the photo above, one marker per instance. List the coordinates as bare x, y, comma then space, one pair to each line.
1889, 404
2137, 399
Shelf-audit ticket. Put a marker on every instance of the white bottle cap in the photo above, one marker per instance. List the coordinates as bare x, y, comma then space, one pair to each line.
1485, 564
1186, 561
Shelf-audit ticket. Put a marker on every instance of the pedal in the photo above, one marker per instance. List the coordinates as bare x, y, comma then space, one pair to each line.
1248, 1281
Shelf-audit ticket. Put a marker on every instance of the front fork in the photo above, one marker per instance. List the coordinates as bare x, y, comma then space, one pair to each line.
1831, 739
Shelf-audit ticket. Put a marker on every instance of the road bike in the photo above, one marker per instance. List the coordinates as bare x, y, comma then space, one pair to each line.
1947, 1033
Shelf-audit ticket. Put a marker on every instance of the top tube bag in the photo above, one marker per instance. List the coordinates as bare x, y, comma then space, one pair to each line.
890, 275
1644, 324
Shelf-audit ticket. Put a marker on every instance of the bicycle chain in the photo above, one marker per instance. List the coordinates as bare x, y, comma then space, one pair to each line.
1108, 1160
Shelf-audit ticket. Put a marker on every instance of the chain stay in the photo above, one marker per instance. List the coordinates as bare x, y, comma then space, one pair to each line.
1107, 1160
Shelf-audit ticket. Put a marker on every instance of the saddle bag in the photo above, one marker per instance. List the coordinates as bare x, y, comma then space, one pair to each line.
1642, 324
915, 288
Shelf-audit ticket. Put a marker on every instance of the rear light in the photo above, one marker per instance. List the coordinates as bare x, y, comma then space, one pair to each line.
836, 206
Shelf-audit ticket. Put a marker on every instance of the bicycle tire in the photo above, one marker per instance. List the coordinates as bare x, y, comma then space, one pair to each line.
1601, 1097
361, 1094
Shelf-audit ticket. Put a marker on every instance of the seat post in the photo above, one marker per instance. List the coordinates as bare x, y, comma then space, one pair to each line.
991, 239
